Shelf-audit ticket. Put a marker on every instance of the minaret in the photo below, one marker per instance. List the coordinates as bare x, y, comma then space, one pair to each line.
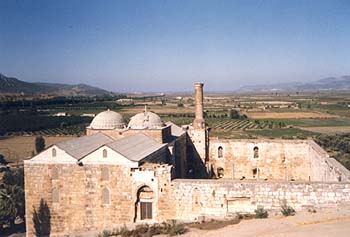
198, 122
198, 132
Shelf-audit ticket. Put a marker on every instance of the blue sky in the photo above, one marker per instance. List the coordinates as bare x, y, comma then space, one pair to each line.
167, 45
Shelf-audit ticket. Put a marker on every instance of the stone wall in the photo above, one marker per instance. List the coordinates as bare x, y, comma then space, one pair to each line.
199, 138
79, 190
219, 198
162, 135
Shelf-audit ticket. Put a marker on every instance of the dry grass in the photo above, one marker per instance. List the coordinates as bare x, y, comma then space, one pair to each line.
18, 148
288, 115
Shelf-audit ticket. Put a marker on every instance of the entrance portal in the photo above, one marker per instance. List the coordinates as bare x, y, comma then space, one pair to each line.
144, 204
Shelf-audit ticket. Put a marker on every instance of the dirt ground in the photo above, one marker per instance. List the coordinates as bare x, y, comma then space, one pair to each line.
288, 115
324, 223
172, 109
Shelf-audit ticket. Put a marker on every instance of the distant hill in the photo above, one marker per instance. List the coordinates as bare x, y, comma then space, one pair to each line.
11, 85
329, 83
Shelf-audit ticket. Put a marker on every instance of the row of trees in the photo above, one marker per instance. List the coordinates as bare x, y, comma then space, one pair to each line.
17, 123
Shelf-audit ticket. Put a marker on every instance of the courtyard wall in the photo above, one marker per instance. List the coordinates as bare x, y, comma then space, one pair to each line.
219, 198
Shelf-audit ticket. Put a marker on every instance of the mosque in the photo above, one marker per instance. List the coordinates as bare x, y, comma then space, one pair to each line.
149, 171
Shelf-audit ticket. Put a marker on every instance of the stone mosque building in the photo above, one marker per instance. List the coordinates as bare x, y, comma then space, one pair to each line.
150, 171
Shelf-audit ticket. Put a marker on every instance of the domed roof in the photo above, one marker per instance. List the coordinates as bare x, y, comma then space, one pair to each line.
108, 120
146, 120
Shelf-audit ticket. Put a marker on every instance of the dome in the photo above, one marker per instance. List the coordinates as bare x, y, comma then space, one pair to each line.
108, 120
146, 120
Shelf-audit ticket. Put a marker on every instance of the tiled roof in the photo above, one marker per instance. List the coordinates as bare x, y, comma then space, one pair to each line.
136, 147
82, 146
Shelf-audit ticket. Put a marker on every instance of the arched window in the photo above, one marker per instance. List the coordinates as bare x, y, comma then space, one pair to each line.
256, 172
55, 196
105, 196
104, 153
54, 174
196, 205
220, 152
105, 173
256, 152
54, 152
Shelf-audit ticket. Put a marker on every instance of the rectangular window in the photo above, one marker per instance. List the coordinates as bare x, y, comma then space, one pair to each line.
146, 210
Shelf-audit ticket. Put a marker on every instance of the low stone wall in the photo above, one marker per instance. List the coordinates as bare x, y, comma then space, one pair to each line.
219, 198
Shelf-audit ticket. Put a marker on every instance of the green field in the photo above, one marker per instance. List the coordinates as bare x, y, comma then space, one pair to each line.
287, 133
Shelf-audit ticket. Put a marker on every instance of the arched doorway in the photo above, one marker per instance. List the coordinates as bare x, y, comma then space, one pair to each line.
144, 204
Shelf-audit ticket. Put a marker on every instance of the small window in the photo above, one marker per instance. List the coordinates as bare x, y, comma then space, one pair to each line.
54, 174
105, 196
55, 196
256, 152
54, 152
220, 152
104, 153
105, 173
220, 171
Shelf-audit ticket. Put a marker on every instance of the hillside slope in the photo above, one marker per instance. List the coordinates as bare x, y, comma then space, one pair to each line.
11, 85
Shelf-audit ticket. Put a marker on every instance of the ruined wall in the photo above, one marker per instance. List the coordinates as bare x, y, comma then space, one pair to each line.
219, 198
276, 160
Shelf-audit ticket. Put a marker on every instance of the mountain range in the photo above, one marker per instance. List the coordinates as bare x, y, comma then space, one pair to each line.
326, 84
11, 85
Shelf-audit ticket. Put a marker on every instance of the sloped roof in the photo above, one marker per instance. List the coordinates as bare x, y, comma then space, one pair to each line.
175, 130
82, 146
136, 147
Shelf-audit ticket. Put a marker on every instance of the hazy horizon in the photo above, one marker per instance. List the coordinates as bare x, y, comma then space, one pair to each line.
157, 46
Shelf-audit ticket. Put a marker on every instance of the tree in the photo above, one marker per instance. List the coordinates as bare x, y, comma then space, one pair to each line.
12, 203
3, 160
234, 114
39, 144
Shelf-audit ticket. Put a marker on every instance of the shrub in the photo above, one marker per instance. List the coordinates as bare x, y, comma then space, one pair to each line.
177, 230
105, 233
261, 213
287, 210
145, 230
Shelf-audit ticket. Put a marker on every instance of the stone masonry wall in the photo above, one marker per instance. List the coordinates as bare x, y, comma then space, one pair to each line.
80, 206
80, 193
219, 198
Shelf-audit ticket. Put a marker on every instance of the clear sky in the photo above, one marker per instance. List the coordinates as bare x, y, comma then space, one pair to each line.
147, 45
